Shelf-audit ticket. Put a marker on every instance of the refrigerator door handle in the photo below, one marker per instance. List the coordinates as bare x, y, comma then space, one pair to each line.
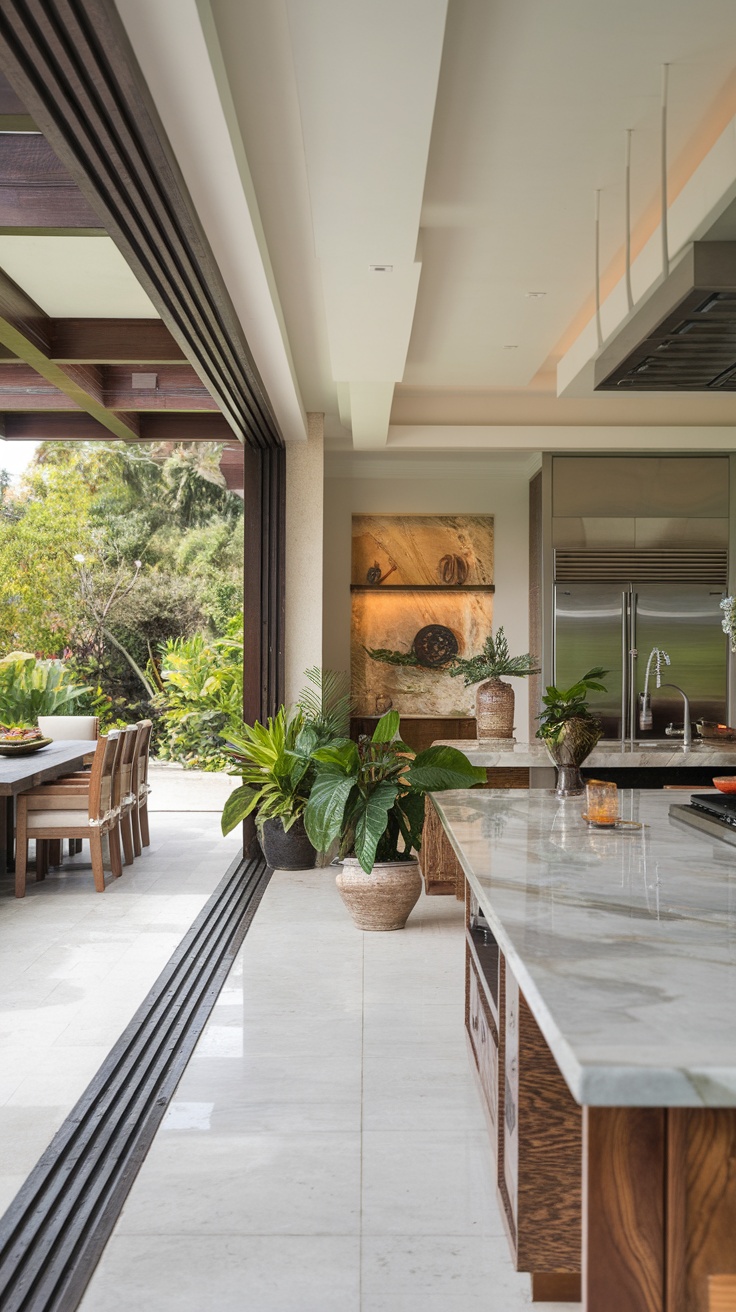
633, 653
625, 598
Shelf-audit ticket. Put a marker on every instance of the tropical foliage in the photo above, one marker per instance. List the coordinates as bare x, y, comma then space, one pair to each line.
564, 704
369, 795
29, 688
200, 697
492, 662
276, 761
116, 557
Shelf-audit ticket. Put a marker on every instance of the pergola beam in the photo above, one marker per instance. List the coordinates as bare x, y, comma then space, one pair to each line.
175, 387
37, 194
77, 426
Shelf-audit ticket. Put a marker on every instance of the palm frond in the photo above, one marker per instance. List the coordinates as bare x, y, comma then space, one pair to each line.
326, 702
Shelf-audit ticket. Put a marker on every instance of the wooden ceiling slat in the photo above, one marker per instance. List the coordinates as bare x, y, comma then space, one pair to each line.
114, 341
78, 426
74, 70
36, 191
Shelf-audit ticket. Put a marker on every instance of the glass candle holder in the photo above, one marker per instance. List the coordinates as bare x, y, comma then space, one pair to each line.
601, 802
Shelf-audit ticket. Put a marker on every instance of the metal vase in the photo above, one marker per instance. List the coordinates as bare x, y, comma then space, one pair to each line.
573, 743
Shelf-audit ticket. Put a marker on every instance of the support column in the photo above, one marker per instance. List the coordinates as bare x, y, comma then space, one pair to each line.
304, 554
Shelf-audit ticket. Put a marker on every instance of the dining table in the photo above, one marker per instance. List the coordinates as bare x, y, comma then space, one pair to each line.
18, 773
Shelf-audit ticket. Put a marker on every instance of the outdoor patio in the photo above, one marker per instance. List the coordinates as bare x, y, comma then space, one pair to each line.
75, 965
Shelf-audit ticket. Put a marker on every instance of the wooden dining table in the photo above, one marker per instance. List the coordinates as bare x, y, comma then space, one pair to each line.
19, 773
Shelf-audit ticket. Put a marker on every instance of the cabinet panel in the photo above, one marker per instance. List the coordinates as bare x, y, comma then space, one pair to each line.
484, 1041
540, 1185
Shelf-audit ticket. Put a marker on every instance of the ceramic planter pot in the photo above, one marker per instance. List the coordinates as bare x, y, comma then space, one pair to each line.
286, 850
574, 741
382, 899
494, 710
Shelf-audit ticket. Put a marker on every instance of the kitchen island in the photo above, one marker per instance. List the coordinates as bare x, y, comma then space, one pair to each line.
601, 1017
663, 764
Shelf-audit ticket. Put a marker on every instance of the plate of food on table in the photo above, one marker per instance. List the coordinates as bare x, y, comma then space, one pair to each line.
19, 740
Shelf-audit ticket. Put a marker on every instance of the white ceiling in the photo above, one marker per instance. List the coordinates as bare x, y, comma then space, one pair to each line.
77, 277
462, 144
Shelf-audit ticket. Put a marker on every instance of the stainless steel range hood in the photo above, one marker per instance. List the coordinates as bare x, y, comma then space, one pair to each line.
683, 338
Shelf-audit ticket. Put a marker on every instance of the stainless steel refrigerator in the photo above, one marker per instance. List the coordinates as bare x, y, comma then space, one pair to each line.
616, 625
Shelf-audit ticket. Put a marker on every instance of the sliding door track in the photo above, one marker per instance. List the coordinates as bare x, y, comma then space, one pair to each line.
54, 1231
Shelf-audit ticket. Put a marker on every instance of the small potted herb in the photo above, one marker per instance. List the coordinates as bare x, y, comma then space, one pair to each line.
494, 699
570, 730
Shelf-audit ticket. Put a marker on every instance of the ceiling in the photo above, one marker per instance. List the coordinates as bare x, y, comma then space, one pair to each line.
461, 144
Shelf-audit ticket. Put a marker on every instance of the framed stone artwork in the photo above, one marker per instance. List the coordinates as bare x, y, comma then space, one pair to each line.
422, 592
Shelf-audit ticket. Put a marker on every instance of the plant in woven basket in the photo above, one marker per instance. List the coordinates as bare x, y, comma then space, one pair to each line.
494, 699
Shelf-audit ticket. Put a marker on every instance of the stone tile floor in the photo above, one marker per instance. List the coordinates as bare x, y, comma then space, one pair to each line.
75, 965
325, 1150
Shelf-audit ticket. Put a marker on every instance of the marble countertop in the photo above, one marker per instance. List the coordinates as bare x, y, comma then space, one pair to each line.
664, 755
623, 943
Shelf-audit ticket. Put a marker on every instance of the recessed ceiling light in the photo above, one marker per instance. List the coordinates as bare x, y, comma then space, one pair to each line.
511, 348
382, 268
534, 296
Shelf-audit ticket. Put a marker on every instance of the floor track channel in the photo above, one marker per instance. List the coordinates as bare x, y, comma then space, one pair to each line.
54, 1231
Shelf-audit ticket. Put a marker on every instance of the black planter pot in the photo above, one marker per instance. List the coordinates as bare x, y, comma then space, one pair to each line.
290, 850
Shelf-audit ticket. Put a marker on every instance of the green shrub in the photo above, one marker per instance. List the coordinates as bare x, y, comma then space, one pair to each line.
31, 687
202, 694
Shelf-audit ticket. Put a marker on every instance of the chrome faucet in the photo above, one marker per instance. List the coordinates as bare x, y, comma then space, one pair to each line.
687, 731
645, 701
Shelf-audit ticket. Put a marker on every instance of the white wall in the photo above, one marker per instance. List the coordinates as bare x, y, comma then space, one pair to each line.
430, 484
304, 515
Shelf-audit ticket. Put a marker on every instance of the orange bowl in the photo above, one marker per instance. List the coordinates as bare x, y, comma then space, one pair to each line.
724, 784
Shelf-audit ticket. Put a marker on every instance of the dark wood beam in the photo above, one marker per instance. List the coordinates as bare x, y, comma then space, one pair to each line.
26, 330
177, 388
73, 68
114, 341
13, 114
140, 343
79, 426
36, 192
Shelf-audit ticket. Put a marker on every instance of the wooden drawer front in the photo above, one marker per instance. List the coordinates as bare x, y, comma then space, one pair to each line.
484, 1038
542, 1158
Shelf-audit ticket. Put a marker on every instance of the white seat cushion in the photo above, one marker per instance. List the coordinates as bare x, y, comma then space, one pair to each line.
68, 726
58, 819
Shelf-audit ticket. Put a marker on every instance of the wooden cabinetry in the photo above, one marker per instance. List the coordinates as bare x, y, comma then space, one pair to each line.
535, 1125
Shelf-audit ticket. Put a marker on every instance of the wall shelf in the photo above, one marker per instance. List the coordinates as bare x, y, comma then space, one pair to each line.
422, 587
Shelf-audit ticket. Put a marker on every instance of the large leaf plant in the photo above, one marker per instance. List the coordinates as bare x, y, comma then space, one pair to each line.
369, 794
30, 687
276, 761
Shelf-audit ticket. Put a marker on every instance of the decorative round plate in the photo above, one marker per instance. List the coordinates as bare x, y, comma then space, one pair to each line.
434, 645
14, 748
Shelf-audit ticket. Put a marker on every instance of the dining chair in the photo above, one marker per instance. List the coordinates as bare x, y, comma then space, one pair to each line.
58, 811
139, 813
62, 727
124, 798
83, 727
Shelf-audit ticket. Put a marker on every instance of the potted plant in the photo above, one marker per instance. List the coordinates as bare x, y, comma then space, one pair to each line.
494, 699
276, 768
369, 796
570, 730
